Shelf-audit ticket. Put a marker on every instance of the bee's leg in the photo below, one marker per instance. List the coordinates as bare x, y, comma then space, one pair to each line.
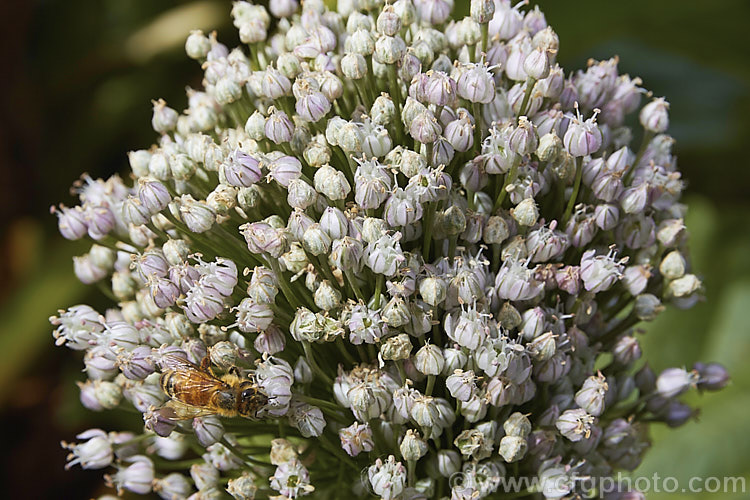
206, 364
233, 370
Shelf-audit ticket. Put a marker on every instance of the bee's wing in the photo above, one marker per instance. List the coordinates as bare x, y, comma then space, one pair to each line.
176, 362
184, 411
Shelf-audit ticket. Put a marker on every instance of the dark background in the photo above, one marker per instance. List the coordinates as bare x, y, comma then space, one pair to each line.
75, 92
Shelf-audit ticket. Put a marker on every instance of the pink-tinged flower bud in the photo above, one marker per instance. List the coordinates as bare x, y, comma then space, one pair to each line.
516, 282
241, 169
583, 137
279, 128
346, 253
284, 169
435, 87
575, 424
150, 264
136, 477
425, 128
253, 317
388, 22
274, 84
591, 395
184, 276
197, 216
164, 292
635, 199
460, 132
262, 238
208, 430
523, 139
136, 364
506, 22
674, 381
568, 279
356, 438
203, 304
655, 116
712, 376
270, 341
476, 84
433, 12
99, 220
153, 195
607, 186
410, 67
402, 209
161, 421
606, 216
537, 64
307, 419
462, 385
71, 222
627, 350
312, 106
94, 453
599, 272
87, 271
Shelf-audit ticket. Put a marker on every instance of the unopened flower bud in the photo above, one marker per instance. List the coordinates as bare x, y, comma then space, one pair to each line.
591, 395
412, 447
655, 116
674, 381
712, 376
672, 265
513, 448
526, 213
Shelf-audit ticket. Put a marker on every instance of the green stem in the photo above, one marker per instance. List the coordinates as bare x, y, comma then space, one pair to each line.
313, 364
353, 283
509, 177
576, 188
344, 351
430, 385
378, 290
530, 83
647, 136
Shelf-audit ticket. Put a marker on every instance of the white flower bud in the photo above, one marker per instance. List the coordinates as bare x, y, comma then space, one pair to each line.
672, 265
412, 446
526, 213
429, 360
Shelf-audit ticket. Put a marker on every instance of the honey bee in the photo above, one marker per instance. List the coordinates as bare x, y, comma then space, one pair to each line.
196, 391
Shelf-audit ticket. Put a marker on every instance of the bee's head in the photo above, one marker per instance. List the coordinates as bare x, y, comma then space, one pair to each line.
251, 400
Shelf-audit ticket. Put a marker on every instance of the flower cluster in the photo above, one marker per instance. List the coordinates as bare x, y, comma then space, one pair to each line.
426, 244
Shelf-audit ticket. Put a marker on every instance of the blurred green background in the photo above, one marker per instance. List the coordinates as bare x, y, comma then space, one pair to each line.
75, 97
